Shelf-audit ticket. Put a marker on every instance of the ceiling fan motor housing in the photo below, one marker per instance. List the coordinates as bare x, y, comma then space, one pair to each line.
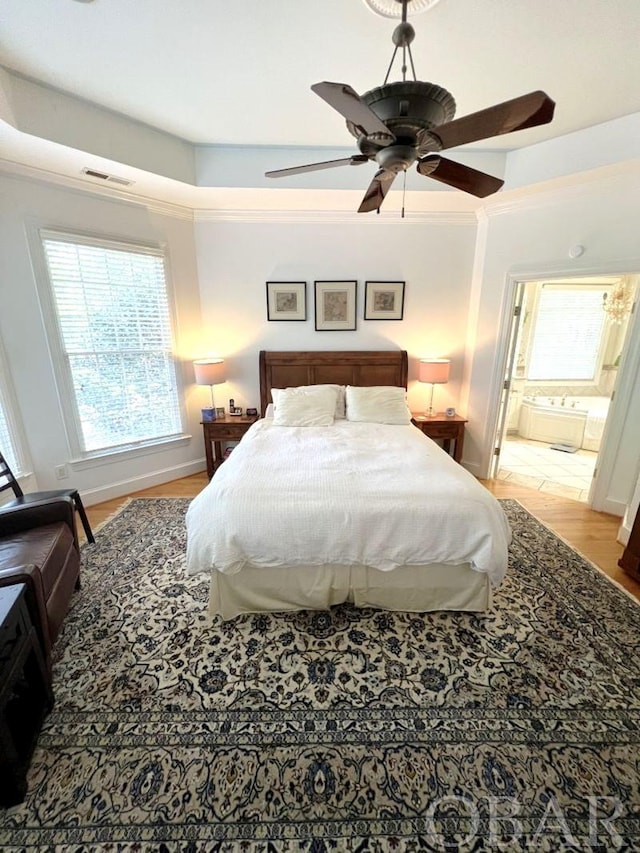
409, 108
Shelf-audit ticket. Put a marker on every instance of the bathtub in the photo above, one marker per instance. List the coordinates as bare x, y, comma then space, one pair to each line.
578, 421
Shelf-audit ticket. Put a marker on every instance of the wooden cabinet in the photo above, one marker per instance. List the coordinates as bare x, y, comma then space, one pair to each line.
228, 428
25, 693
630, 560
442, 427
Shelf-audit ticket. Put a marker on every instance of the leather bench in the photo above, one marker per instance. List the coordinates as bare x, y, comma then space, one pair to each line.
39, 547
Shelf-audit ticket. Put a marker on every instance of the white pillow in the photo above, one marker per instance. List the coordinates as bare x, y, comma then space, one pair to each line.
378, 404
305, 406
340, 404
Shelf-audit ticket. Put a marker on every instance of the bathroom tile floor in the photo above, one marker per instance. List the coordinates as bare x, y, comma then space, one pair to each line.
536, 465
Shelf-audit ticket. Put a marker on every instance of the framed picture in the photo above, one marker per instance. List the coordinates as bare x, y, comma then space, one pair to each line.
335, 306
383, 300
286, 300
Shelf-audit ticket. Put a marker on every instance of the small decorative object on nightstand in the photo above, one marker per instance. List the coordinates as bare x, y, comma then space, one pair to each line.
228, 428
447, 428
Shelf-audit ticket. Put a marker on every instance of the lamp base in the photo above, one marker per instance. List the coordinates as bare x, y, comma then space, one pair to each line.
208, 415
429, 413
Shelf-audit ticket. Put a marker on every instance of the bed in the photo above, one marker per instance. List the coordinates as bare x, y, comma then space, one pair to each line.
377, 514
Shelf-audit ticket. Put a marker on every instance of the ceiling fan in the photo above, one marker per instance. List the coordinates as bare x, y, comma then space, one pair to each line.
399, 123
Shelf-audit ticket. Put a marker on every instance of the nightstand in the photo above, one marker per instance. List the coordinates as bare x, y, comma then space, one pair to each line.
228, 428
447, 428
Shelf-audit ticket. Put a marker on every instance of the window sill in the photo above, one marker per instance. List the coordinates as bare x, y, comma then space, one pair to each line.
108, 457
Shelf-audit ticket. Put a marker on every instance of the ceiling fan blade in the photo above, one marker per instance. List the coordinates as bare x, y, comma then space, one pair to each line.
356, 160
530, 110
348, 103
459, 176
378, 188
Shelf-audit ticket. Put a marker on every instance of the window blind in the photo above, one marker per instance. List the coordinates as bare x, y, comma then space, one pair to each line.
115, 333
8, 443
568, 333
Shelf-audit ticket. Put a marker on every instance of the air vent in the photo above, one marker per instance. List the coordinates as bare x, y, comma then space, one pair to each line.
103, 176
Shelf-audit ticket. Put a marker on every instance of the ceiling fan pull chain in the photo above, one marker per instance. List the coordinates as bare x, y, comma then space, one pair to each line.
404, 190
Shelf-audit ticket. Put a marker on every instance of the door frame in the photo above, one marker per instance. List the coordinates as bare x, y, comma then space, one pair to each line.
630, 368
514, 316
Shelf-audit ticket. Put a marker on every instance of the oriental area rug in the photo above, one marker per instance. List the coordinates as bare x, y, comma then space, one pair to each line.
354, 730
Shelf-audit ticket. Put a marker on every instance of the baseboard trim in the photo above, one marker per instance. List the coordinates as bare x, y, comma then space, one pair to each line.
146, 481
612, 507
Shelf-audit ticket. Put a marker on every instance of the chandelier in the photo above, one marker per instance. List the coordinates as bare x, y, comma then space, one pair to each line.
617, 304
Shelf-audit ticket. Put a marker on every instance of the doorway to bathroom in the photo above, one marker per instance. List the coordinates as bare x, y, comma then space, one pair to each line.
564, 352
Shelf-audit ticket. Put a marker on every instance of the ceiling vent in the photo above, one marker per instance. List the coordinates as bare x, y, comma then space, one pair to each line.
110, 179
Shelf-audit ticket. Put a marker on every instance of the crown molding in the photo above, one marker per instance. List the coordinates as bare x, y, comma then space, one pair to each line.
86, 186
540, 195
530, 197
331, 217
248, 215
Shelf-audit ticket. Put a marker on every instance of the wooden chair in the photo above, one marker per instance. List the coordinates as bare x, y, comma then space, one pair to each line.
8, 481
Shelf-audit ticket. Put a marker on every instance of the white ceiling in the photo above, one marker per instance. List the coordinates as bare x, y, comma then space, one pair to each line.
238, 72
230, 72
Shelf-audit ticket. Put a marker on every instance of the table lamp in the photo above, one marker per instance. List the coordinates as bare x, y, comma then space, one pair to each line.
436, 372
209, 371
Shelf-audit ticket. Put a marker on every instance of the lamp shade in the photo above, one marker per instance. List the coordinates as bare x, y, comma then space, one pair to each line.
434, 370
209, 371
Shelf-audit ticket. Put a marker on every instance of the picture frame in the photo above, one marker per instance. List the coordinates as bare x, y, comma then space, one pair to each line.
220, 412
335, 306
384, 300
286, 301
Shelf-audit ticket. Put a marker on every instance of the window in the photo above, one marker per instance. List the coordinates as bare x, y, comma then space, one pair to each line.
568, 334
9, 442
6, 441
114, 331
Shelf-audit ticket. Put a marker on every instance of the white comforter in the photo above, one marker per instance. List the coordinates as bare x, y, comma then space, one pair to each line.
353, 493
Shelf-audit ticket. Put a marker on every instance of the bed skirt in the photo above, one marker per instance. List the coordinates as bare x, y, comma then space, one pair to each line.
416, 589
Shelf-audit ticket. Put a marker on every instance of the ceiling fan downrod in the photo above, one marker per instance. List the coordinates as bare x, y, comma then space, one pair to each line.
402, 37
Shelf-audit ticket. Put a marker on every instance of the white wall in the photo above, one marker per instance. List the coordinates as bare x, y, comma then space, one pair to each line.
530, 237
458, 275
26, 205
236, 259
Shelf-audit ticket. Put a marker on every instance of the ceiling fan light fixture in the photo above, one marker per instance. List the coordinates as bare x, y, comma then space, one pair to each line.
393, 8
402, 122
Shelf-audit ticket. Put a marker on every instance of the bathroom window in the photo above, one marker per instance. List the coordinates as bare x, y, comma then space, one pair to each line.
568, 335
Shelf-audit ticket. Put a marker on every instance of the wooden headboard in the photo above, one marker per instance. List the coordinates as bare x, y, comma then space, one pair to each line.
350, 367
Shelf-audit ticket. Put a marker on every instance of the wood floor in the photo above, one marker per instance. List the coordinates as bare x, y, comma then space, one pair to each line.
592, 534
